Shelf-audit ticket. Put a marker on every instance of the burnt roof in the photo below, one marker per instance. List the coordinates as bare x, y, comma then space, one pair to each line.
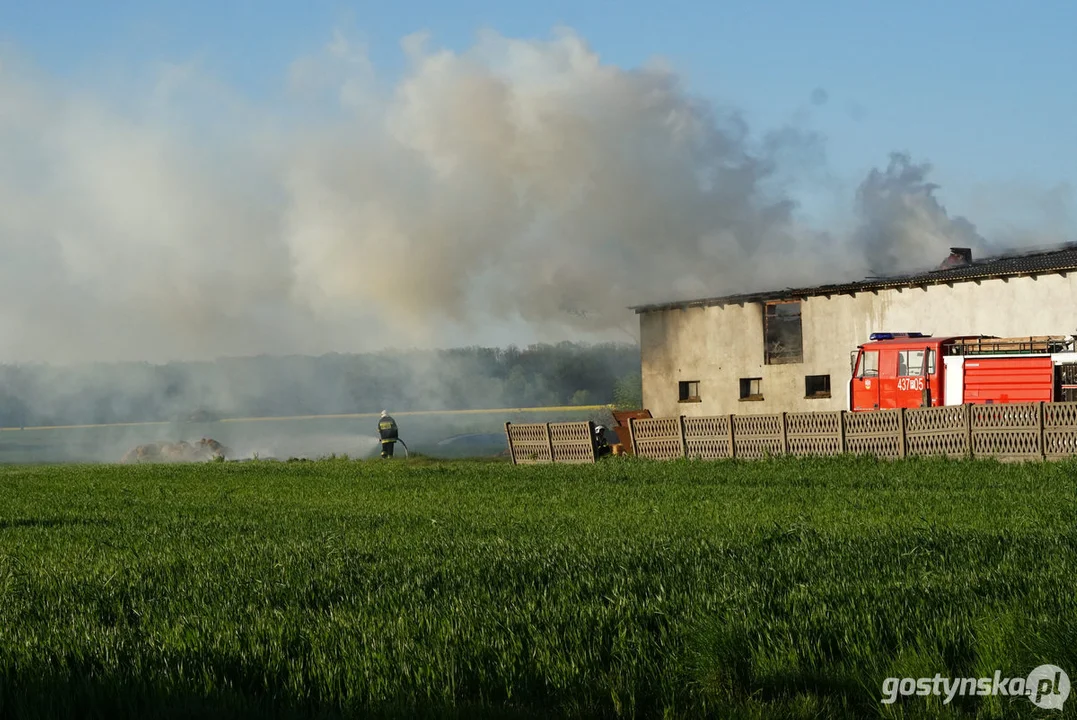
1060, 259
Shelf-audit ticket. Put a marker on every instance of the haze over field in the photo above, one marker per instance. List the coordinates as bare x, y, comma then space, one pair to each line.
522, 190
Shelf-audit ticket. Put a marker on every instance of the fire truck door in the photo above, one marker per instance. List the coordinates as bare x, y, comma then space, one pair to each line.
908, 388
865, 395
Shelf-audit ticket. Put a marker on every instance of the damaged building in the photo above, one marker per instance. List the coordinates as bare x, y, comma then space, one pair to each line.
790, 350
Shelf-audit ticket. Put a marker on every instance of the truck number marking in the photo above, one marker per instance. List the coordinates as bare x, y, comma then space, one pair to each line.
910, 383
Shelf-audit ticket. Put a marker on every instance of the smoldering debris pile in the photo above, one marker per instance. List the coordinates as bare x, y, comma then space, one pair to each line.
204, 450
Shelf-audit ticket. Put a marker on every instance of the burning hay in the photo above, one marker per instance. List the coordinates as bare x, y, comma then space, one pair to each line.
204, 450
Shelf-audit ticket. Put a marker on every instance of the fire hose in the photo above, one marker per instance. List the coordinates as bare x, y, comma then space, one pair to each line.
406, 453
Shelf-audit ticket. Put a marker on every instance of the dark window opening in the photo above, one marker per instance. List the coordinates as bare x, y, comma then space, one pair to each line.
751, 388
782, 335
817, 386
1066, 381
689, 391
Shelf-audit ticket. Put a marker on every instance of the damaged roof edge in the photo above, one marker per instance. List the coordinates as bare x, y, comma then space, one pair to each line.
1060, 260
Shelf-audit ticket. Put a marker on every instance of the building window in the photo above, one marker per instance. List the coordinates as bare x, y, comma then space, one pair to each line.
689, 391
817, 386
782, 337
751, 388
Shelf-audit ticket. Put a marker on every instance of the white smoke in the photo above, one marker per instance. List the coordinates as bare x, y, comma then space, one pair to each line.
519, 185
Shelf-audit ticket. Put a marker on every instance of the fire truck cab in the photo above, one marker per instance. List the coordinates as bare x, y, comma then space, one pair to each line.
897, 370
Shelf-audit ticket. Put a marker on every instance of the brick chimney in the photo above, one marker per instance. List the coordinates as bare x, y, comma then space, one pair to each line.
958, 257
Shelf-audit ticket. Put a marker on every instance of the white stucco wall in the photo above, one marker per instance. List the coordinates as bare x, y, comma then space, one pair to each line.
719, 345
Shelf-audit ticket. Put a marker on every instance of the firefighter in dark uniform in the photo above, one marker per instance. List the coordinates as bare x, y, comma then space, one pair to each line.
602, 445
387, 430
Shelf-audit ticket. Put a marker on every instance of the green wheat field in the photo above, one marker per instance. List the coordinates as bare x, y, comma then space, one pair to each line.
446, 588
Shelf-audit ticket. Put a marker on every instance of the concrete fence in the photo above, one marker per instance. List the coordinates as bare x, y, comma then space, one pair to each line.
1018, 431
570, 442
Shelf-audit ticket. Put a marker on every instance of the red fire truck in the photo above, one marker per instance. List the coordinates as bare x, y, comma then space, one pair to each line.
917, 370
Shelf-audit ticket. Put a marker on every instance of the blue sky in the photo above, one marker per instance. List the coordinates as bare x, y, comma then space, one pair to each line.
982, 90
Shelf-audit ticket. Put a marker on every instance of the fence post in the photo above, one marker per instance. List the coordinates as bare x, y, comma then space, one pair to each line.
549, 441
632, 435
508, 437
684, 440
901, 432
732, 438
841, 431
969, 453
1041, 441
785, 434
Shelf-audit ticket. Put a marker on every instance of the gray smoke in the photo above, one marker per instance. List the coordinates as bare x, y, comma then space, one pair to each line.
904, 227
522, 190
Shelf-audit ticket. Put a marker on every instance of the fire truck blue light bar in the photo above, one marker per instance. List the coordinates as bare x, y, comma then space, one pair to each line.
893, 336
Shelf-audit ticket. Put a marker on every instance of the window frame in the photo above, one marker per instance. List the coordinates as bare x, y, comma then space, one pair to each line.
771, 321
684, 391
746, 394
820, 394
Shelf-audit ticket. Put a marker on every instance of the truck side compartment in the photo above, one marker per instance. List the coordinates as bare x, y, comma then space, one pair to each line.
1008, 380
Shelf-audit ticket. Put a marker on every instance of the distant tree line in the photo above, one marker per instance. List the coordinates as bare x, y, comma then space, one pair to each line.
457, 379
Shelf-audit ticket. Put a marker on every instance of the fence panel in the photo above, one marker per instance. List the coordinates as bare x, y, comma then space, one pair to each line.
573, 442
1010, 431
876, 433
815, 433
1059, 430
757, 436
529, 443
657, 438
708, 438
937, 431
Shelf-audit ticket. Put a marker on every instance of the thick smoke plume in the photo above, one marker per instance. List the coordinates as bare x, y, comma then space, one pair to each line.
903, 222
522, 190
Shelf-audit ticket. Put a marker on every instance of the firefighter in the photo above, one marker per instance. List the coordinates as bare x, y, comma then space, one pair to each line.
601, 444
387, 431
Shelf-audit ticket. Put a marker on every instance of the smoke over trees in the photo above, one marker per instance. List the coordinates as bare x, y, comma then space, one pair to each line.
465, 378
